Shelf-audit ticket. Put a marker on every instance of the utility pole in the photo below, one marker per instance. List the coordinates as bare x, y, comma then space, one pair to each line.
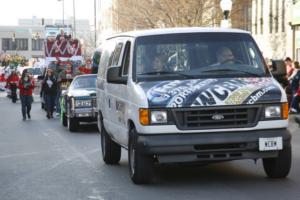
95, 23
74, 20
63, 12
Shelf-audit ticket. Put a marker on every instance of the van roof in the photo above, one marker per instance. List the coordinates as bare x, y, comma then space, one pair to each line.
163, 31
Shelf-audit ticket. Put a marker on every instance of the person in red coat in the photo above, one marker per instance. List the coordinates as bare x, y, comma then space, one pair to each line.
26, 86
2, 78
85, 69
12, 84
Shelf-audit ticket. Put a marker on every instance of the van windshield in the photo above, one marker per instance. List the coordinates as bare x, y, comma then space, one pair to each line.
196, 55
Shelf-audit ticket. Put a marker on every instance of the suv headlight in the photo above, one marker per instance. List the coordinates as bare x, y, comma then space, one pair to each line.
83, 103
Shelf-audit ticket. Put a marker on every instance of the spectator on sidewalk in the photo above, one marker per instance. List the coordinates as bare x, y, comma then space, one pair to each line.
289, 66
294, 83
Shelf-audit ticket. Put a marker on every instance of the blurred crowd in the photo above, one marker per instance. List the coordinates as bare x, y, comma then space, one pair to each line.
55, 78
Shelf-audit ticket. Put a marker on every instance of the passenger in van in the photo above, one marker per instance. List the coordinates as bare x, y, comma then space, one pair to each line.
159, 63
225, 56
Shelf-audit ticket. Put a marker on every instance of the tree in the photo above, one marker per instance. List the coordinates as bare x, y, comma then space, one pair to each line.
132, 15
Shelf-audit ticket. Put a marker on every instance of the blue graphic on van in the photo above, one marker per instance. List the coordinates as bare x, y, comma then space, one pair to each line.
211, 92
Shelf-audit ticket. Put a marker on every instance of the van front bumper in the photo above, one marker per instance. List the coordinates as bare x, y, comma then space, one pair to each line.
206, 147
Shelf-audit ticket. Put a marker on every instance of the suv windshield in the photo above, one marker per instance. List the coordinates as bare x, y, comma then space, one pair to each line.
84, 82
197, 55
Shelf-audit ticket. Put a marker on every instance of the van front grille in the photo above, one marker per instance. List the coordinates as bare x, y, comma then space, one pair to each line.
216, 118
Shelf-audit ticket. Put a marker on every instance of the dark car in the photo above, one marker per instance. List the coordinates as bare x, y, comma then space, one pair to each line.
79, 102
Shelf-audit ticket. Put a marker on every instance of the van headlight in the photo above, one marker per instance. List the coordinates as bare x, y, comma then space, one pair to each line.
273, 111
159, 117
148, 117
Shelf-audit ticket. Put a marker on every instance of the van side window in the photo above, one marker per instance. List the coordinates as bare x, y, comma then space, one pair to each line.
106, 58
125, 62
117, 53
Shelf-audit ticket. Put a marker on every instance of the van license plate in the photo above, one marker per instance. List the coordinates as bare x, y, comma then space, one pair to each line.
269, 144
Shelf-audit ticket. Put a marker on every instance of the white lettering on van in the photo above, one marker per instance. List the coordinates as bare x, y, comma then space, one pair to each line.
259, 94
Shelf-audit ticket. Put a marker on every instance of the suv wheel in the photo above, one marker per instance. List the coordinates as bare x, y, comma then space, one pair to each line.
140, 166
73, 124
280, 166
111, 151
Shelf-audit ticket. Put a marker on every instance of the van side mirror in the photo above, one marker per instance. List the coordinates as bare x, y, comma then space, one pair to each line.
113, 76
278, 68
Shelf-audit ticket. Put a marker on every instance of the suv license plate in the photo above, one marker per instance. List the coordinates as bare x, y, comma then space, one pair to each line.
269, 144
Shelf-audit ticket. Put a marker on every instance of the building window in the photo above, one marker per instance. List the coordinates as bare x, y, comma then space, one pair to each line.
261, 17
277, 16
271, 17
19, 44
7, 44
37, 44
283, 16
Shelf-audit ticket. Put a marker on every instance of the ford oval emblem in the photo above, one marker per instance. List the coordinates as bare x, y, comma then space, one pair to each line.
217, 117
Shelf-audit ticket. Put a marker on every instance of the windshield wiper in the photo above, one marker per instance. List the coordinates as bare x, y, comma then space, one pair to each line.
166, 72
231, 70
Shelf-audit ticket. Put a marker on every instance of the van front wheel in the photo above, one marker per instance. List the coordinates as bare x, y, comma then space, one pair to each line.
140, 166
111, 151
280, 166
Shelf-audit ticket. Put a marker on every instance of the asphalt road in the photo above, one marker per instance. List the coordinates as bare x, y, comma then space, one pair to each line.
40, 159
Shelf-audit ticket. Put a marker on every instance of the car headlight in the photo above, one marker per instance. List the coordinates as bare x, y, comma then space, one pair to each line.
159, 117
273, 111
83, 103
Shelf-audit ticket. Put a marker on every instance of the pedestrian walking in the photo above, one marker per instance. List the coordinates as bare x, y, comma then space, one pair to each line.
12, 84
64, 80
49, 89
26, 86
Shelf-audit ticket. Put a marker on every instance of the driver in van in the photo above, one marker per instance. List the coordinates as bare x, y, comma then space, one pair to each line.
157, 64
225, 56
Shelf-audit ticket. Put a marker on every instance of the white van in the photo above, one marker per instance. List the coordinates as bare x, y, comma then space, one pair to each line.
185, 95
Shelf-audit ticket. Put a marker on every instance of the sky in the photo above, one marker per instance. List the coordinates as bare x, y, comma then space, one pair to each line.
12, 10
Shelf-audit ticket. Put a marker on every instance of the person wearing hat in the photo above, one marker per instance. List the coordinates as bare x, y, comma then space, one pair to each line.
26, 86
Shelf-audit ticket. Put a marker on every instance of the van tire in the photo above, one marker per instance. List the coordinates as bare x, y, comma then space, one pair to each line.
141, 167
64, 119
111, 151
72, 124
280, 166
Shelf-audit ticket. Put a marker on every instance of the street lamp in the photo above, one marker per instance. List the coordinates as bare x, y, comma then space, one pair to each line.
13, 37
226, 6
63, 12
